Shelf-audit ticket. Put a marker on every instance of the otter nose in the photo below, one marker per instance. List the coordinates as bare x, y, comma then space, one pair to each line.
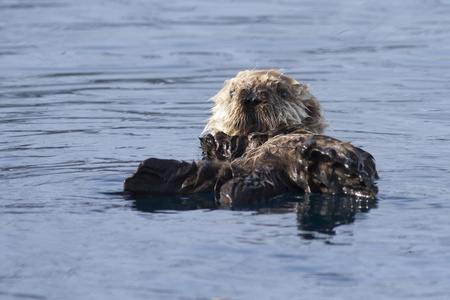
251, 98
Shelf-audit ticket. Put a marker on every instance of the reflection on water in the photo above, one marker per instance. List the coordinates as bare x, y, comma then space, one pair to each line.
175, 203
315, 213
323, 214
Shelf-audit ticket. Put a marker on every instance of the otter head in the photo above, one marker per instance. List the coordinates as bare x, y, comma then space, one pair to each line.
264, 102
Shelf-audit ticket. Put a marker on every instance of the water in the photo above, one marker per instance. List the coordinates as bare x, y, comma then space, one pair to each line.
88, 89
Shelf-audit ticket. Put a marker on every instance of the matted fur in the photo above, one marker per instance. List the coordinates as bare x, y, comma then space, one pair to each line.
281, 102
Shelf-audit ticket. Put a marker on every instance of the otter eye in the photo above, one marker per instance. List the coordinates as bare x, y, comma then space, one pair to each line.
282, 94
231, 94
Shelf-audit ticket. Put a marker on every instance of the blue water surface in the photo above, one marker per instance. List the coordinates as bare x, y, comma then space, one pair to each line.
88, 89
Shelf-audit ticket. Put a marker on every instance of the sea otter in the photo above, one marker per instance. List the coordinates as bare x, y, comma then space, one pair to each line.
265, 139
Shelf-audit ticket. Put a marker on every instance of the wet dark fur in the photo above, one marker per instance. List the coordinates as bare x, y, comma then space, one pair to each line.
245, 169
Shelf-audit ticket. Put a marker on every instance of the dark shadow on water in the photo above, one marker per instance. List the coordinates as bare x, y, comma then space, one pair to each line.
175, 203
316, 213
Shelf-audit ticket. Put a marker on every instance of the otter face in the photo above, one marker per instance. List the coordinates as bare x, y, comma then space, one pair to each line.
264, 102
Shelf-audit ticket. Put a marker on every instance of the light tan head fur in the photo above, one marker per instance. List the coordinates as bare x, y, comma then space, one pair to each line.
264, 102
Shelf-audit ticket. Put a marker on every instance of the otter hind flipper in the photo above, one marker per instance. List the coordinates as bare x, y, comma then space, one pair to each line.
163, 177
332, 166
157, 177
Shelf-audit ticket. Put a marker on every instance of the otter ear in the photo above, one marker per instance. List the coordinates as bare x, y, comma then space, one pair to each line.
297, 88
300, 87
288, 80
